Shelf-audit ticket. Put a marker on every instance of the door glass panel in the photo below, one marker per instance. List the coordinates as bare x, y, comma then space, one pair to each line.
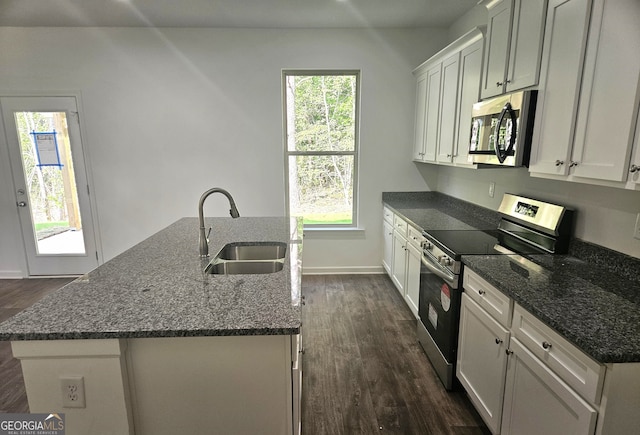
51, 189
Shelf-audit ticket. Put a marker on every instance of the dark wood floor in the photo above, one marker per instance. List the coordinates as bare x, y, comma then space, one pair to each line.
15, 296
364, 371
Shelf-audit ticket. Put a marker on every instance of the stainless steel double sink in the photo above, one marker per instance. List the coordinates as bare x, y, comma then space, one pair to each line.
248, 258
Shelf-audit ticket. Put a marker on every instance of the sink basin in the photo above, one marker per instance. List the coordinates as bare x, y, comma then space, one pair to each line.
252, 251
241, 267
248, 257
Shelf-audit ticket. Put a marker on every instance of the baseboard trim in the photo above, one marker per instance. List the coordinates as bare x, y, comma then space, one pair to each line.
343, 270
11, 274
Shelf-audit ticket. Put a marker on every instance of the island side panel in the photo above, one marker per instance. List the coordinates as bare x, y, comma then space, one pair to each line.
101, 363
226, 384
620, 405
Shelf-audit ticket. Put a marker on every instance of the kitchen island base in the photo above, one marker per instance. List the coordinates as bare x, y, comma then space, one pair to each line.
144, 386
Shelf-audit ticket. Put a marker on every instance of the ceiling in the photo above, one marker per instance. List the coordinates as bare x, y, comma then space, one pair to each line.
232, 13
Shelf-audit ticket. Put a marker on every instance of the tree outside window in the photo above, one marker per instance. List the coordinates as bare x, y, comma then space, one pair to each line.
321, 122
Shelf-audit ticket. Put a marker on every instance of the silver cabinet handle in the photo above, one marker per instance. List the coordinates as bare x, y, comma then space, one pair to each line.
22, 204
634, 168
508, 352
559, 162
546, 345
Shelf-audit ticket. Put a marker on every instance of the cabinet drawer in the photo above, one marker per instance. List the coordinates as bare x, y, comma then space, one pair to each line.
400, 225
488, 297
414, 237
387, 215
572, 365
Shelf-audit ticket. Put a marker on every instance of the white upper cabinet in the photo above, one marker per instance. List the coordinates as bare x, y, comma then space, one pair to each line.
513, 45
561, 70
421, 116
609, 93
497, 48
432, 113
589, 91
449, 97
468, 95
447, 85
427, 113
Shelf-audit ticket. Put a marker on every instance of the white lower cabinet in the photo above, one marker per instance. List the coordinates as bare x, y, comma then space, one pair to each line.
296, 382
482, 360
521, 376
399, 268
537, 401
402, 257
412, 287
387, 246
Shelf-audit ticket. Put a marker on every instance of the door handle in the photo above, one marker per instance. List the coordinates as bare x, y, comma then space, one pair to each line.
22, 204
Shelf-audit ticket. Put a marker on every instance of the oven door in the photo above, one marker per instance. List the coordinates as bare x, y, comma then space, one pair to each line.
439, 309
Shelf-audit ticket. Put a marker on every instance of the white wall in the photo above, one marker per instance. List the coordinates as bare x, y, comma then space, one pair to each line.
168, 113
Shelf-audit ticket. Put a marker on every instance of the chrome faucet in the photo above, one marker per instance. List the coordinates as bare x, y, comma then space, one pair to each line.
204, 238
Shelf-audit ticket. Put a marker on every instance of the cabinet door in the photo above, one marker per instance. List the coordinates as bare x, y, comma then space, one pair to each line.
387, 248
399, 267
537, 402
526, 44
468, 94
560, 75
634, 168
421, 107
610, 92
482, 361
412, 289
497, 48
448, 101
432, 113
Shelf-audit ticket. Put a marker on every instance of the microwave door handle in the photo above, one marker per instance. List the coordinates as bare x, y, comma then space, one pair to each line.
502, 155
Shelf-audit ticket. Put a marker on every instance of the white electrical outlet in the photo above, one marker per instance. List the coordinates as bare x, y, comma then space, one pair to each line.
72, 391
492, 189
636, 231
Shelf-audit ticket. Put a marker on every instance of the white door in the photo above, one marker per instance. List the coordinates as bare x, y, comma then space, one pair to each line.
50, 182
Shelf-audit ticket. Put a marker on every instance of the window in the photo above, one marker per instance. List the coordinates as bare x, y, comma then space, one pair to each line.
321, 153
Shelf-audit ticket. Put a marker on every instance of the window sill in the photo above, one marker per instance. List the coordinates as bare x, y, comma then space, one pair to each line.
328, 233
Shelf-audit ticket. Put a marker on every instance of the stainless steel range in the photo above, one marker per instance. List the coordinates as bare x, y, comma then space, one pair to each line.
528, 226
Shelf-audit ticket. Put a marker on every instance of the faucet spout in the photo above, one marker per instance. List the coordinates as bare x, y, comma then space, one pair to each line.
204, 237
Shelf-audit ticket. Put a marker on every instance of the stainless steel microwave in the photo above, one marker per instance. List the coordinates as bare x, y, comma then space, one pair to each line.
501, 129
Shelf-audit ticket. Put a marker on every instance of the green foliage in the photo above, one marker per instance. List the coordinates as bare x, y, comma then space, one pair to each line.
324, 113
44, 184
324, 121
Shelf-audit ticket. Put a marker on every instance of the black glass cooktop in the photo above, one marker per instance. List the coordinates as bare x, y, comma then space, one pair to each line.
475, 242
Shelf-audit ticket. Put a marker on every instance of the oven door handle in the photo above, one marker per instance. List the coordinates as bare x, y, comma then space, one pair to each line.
437, 270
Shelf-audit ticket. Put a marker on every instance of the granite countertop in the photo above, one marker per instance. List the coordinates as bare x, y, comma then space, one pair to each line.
591, 296
158, 289
595, 309
435, 211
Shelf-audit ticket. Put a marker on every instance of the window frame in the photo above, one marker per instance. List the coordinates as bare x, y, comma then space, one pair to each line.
356, 145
